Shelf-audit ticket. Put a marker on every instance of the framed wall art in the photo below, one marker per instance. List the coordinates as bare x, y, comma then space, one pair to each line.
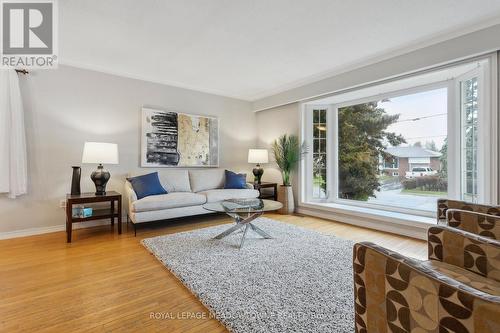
173, 139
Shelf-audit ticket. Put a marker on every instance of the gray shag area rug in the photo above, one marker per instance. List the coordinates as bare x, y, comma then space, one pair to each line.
299, 281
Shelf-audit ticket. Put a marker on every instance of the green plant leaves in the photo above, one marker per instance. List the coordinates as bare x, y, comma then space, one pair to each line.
287, 153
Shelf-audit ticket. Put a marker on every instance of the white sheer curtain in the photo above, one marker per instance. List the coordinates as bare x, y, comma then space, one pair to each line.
13, 168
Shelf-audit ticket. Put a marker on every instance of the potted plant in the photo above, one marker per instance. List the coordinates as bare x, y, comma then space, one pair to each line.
287, 153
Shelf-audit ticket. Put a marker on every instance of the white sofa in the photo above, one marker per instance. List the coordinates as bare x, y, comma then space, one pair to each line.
187, 191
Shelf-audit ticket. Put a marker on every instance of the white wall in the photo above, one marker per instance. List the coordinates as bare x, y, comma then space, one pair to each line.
476, 43
68, 106
270, 125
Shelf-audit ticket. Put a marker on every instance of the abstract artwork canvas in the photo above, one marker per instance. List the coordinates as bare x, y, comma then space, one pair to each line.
172, 139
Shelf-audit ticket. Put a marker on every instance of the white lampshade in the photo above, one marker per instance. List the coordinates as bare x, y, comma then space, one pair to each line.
258, 156
100, 153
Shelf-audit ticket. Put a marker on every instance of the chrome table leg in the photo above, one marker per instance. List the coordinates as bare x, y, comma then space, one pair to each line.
229, 231
246, 224
260, 231
244, 235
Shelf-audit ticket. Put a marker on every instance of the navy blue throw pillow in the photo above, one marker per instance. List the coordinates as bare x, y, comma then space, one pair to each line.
147, 185
235, 180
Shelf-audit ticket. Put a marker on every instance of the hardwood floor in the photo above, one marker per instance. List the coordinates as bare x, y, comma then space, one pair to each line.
106, 282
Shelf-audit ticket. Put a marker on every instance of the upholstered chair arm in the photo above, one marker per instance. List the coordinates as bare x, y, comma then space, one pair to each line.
463, 249
477, 223
442, 207
394, 293
444, 204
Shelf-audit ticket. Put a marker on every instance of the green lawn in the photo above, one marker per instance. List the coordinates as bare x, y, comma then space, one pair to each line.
425, 193
383, 178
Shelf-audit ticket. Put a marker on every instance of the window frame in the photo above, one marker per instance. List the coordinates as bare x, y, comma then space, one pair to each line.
487, 162
307, 164
488, 134
460, 104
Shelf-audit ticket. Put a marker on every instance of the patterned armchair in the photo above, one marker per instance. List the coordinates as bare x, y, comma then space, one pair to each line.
443, 205
456, 290
485, 225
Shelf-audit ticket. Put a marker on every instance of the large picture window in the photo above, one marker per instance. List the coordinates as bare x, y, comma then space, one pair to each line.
411, 131
403, 145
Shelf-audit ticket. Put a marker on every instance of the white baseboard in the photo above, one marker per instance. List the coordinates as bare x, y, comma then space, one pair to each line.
31, 231
417, 231
54, 228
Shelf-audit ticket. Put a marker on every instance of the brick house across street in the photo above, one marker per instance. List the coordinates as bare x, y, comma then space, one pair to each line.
404, 159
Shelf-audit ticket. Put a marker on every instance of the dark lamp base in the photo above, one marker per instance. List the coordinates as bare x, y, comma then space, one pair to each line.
100, 178
257, 172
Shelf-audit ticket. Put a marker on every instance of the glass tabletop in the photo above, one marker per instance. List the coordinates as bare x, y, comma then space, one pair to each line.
243, 206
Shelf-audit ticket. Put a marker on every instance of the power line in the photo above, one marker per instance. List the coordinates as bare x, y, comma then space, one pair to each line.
424, 117
428, 136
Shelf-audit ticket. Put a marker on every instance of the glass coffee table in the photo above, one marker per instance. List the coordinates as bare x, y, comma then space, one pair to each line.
243, 211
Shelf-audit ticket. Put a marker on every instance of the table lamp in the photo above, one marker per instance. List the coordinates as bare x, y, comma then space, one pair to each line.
258, 156
99, 153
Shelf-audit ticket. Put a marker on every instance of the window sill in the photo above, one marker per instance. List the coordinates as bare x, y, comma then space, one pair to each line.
394, 222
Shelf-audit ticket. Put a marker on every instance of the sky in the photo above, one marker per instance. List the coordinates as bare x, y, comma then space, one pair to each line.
428, 103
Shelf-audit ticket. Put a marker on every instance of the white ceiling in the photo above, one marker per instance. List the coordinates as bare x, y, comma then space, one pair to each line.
249, 49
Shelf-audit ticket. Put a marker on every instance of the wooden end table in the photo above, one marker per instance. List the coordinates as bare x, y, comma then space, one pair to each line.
97, 214
262, 185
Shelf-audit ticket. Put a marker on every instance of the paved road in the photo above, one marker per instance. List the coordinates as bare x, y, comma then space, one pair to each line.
395, 197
